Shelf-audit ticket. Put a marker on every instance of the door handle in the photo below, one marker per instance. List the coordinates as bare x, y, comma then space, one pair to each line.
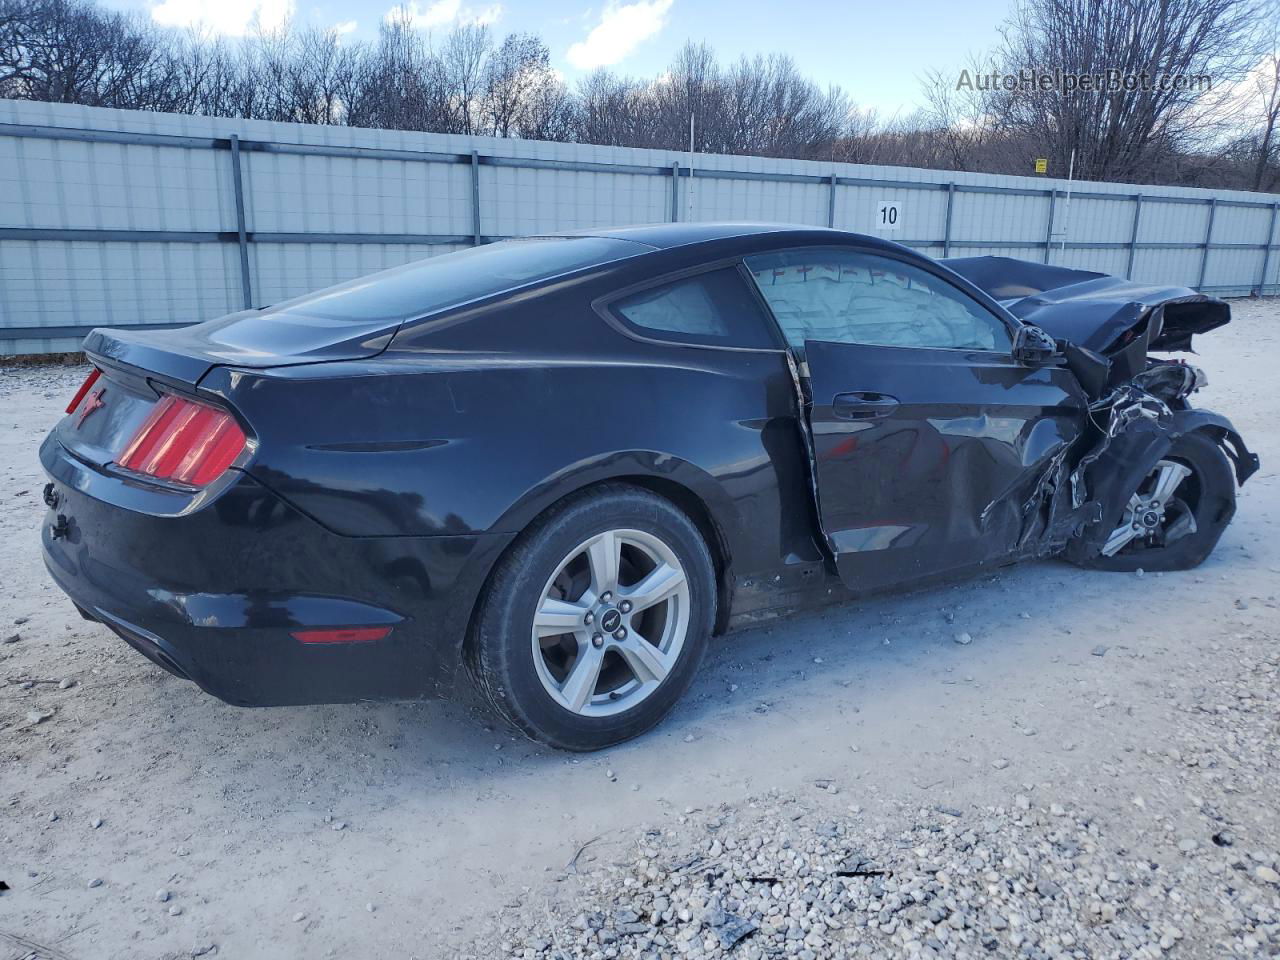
863, 405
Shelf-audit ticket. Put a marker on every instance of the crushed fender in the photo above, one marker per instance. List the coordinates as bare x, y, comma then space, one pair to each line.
1105, 328
1079, 483
1138, 422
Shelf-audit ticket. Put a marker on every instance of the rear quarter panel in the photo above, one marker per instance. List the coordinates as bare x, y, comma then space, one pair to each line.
478, 423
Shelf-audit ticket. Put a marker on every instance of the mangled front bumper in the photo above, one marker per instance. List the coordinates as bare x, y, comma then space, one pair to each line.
1128, 454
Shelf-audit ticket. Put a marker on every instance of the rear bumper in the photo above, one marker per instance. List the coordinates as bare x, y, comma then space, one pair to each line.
214, 594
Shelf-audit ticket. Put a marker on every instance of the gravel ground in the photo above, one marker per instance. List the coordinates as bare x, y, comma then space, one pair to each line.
1046, 873
1094, 774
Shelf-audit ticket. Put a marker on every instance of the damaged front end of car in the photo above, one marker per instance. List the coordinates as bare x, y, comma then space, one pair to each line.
1139, 486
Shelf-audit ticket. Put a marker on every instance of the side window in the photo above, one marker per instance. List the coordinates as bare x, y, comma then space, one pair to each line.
849, 297
714, 308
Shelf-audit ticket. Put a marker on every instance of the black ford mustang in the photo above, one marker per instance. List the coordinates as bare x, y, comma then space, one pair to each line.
560, 464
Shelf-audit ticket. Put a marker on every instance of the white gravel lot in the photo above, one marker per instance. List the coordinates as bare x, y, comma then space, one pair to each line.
1052, 789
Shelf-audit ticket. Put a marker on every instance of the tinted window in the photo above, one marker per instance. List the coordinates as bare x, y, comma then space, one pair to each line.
714, 308
848, 297
425, 286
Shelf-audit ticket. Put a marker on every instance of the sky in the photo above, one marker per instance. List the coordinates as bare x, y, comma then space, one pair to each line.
876, 50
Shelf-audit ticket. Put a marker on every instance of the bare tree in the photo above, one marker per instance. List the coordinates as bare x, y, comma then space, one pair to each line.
971, 127
1262, 113
514, 80
77, 52
760, 105
70, 51
614, 110
1266, 170
463, 61
690, 90
550, 112
773, 110
399, 83
1120, 134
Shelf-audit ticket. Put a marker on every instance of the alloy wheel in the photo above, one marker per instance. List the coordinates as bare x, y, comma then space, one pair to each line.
1156, 514
611, 622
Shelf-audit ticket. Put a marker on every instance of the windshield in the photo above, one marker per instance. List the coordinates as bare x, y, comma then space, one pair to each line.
426, 286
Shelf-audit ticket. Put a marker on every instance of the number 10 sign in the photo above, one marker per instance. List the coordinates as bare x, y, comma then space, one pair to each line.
888, 214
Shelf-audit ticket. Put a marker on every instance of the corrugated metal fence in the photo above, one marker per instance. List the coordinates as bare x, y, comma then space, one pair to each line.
114, 217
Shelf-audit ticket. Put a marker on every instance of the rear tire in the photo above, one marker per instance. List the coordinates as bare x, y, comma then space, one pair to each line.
1208, 493
594, 623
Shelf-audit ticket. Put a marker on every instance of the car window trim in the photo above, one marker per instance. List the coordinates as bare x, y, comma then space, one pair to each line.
603, 306
1009, 322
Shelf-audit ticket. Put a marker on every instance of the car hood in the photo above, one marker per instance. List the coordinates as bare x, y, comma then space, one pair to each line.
1093, 310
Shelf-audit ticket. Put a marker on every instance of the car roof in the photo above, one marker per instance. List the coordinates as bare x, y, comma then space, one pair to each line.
669, 235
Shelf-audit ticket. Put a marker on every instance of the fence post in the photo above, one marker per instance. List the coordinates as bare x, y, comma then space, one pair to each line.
1133, 237
675, 192
1266, 250
475, 198
246, 288
1048, 230
946, 228
831, 201
1208, 236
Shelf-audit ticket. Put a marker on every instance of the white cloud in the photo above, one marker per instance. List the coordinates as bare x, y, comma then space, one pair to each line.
425, 17
621, 29
441, 13
231, 17
485, 17
1241, 104
345, 27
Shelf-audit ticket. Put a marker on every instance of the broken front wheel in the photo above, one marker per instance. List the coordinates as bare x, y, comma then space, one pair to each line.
1176, 516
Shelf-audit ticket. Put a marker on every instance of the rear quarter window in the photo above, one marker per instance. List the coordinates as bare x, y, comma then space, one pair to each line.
715, 308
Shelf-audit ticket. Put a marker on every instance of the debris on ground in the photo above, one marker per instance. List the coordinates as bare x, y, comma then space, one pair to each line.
1034, 880
1038, 875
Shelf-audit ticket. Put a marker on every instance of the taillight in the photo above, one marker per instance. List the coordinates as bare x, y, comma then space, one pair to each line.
184, 440
89, 381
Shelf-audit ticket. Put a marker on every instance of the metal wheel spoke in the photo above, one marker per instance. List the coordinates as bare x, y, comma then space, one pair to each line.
557, 616
646, 661
583, 676
603, 556
1167, 479
1123, 534
1183, 526
659, 584
610, 667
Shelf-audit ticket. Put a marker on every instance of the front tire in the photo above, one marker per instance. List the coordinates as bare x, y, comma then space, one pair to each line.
1194, 494
594, 623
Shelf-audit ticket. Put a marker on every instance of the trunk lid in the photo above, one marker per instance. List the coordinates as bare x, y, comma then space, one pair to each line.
108, 416
137, 365
251, 338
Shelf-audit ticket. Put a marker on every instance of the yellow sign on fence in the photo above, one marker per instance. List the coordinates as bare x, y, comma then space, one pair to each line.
1042, 164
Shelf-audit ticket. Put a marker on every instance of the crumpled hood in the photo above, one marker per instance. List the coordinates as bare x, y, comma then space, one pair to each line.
1093, 310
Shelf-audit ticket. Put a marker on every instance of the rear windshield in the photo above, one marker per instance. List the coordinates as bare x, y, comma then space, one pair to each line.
426, 286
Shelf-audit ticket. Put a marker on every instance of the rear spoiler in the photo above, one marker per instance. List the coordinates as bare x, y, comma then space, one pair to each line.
134, 348
249, 339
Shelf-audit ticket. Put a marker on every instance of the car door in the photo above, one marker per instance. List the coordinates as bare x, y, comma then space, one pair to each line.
929, 442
